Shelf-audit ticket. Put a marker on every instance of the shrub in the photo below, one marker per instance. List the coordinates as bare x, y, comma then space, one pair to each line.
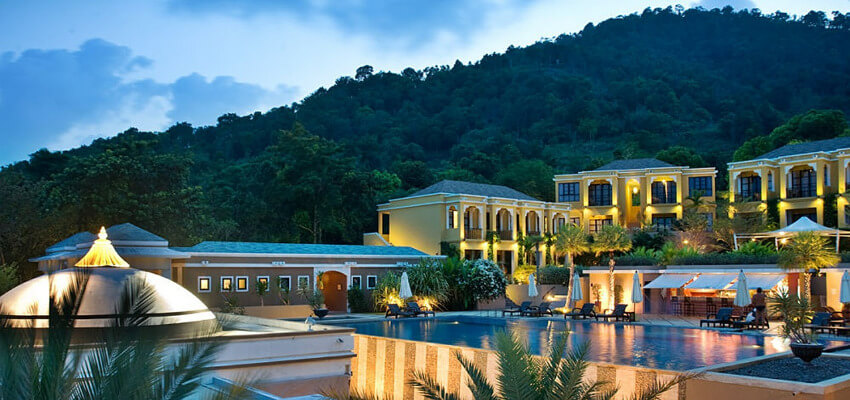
639, 256
486, 280
756, 249
670, 252
428, 282
725, 259
386, 291
456, 272
357, 301
554, 275
522, 272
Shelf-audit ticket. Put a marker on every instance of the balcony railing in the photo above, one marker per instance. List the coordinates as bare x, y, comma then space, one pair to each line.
802, 191
663, 200
506, 235
473, 233
599, 201
532, 233
747, 197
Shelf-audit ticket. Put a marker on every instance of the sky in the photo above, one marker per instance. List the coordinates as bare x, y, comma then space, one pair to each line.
72, 71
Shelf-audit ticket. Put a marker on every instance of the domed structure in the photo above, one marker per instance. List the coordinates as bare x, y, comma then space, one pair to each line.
107, 279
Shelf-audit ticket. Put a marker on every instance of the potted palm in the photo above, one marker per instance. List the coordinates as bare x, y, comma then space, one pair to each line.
316, 300
796, 312
807, 253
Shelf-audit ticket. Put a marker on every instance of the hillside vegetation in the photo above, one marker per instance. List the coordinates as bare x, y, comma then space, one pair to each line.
688, 86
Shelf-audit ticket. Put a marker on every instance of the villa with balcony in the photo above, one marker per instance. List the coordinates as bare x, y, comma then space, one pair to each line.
462, 214
801, 178
634, 193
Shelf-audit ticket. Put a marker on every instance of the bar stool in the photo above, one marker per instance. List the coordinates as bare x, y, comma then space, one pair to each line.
688, 308
677, 306
710, 307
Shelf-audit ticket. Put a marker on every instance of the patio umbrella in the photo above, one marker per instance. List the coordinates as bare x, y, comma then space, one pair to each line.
404, 291
532, 286
742, 293
845, 288
637, 291
576, 295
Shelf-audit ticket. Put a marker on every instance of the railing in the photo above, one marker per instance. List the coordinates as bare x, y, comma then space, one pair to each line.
506, 235
599, 201
747, 197
801, 191
473, 233
532, 233
663, 200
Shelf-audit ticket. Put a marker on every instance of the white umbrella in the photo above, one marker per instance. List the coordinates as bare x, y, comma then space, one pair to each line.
637, 291
404, 291
742, 293
576, 295
845, 288
532, 286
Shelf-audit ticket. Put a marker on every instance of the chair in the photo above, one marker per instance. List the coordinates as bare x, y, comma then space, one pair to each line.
687, 307
538, 311
510, 307
586, 311
723, 317
413, 307
393, 310
710, 307
820, 322
677, 306
618, 314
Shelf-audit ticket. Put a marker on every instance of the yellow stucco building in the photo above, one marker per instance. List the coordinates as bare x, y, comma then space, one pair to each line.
634, 193
801, 177
461, 214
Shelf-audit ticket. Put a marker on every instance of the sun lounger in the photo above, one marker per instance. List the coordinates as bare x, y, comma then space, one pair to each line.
723, 317
393, 310
617, 314
820, 322
413, 307
510, 307
586, 311
753, 325
538, 311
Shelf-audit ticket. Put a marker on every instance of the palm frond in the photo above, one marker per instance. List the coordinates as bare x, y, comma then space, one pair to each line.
517, 372
430, 388
659, 387
478, 384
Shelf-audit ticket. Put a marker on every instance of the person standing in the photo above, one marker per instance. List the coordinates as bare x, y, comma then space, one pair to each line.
759, 302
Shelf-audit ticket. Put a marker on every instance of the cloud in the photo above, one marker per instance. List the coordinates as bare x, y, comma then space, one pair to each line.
411, 22
64, 98
736, 4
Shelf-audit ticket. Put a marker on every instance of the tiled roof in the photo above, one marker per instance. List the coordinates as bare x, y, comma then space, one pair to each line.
300, 248
635, 163
474, 189
808, 147
132, 233
151, 252
72, 241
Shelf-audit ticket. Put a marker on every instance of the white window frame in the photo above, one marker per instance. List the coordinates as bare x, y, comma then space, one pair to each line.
268, 281
221, 283
367, 282
209, 284
298, 282
247, 284
360, 284
288, 279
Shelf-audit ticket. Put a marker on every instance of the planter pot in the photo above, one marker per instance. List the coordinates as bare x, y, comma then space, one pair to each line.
807, 351
322, 312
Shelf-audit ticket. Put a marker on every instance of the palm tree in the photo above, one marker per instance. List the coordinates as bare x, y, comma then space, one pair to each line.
807, 252
549, 239
127, 363
611, 239
569, 241
533, 242
521, 375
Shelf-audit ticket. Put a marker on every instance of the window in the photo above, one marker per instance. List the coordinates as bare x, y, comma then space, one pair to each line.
568, 191
700, 184
575, 221
451, 215
284, 282
663, 221
241, 283
663, 192
226, 283
599, 194
749, 188
596, 224
385, 224
356, 281
264, 280
472, 254
371, 282
770, 181
558, 223
204, 284
803, 183
303, 282
847, 215
826, 175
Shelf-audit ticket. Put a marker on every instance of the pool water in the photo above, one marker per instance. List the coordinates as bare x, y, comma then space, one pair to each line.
669, 348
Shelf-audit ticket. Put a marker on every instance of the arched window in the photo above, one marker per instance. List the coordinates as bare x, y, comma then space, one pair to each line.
826, 175
451, 217
770, 181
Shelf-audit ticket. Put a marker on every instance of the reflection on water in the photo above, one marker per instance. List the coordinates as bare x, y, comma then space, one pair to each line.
646, 346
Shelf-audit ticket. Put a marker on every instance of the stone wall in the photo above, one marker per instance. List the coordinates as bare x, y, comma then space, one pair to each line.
384, 365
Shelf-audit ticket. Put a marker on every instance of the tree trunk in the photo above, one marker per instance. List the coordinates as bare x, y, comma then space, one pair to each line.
262, 303
612, 300
569, 261
806, 286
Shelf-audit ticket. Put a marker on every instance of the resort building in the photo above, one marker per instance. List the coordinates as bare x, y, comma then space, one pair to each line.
211, 270
470, 216
794, 181
634, 193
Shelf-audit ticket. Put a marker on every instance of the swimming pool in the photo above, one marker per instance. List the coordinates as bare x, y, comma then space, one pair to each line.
669, 348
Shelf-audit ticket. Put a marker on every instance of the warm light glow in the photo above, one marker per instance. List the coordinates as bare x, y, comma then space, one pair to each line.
634, 190
783, 240
685, 241
102, 254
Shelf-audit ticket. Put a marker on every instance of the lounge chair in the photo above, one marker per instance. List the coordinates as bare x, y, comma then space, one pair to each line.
524, 307
538, 311
586, 311
751, 325
510, 307
617, 314
413, 307
393, 310
820, 323
723, 317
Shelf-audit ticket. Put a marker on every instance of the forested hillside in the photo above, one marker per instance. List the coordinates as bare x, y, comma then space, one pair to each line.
629, 87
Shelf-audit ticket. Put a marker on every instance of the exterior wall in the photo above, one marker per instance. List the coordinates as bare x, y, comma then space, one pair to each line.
383, 365
623, 184
623, 279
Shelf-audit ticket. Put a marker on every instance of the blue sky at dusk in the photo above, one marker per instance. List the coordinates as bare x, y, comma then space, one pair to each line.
74, 71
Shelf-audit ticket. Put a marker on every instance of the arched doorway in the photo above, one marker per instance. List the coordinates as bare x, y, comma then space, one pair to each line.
335, 290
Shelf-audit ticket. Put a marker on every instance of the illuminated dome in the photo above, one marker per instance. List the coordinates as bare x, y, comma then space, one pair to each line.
172, 308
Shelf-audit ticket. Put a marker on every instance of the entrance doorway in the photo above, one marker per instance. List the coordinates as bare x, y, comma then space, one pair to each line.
335, 290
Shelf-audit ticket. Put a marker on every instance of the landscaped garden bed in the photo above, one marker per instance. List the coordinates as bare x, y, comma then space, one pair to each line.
793, 369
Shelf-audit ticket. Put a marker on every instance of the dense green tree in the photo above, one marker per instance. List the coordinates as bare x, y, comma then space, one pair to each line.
681, 155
